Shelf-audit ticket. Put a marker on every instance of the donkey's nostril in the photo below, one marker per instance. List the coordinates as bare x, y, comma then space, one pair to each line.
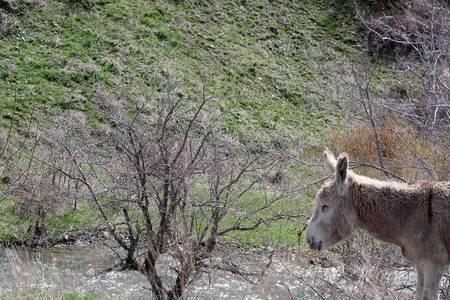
317, 245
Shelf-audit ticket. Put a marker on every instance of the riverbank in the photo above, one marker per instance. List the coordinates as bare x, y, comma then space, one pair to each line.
78, 272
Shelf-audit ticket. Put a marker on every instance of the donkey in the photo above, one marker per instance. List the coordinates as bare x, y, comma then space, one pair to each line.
414, 217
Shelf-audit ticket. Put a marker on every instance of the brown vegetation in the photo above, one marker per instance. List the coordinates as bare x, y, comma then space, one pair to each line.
396, 139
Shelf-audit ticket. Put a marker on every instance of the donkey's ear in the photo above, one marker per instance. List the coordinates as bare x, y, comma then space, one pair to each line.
330, 159
341, 168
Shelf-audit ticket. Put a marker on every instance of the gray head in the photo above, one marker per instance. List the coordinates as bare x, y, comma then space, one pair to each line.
333, 218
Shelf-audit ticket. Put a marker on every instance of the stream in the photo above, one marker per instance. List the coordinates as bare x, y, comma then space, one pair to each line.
78, 269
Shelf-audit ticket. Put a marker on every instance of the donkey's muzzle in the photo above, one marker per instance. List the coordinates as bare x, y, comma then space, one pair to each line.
314, 244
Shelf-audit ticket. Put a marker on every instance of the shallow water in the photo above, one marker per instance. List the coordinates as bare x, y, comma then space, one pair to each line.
79, 270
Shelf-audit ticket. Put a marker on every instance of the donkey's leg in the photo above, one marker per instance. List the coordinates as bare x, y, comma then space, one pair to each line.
432, 277
419, 282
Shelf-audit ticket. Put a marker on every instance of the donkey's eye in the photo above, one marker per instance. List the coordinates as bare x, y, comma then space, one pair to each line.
324, 208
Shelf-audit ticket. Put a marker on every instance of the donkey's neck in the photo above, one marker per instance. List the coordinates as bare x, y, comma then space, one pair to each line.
379, 206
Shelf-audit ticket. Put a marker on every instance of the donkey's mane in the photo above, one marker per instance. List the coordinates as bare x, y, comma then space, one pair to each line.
364, 180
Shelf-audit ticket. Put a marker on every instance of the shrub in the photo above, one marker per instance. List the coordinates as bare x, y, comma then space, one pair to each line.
8, 24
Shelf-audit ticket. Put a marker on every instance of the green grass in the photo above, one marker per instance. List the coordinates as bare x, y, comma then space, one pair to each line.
12, 225
84, 217
285, 232
255, 57
73, 296
279, 233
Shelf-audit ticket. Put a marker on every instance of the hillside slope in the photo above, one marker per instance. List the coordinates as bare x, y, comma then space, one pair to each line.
257, 57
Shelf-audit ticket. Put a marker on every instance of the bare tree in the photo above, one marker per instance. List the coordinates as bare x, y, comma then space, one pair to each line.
36, 198
168, 182
17, 148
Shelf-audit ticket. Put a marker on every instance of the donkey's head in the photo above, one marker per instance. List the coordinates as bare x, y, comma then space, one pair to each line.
333, 218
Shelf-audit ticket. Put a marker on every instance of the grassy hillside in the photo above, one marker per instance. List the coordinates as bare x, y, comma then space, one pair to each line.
258, 57
263, 60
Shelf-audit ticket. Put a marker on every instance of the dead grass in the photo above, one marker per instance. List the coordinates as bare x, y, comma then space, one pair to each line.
406, 151
30, 275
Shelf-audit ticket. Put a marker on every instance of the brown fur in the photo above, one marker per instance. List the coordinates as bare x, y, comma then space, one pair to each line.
414, 217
